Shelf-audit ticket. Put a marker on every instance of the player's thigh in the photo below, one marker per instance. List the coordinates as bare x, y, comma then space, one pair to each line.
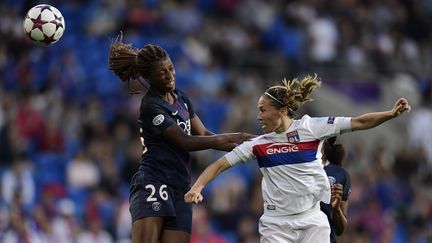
177, 229
174, 236
275, 229
317, 229
147, 230
183, 214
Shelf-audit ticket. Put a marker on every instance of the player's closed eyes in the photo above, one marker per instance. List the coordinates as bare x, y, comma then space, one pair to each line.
171, 69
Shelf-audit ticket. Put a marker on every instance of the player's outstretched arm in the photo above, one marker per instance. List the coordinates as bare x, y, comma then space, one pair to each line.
370, 120
198, 128
194, 194
175, 135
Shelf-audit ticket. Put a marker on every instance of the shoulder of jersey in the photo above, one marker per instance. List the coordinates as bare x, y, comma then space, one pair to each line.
304, 118
151, 99
180, 92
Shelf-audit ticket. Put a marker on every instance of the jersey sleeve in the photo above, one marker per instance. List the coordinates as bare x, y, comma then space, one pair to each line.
325, 127
155, 119
241, 153
346, 187
189, 105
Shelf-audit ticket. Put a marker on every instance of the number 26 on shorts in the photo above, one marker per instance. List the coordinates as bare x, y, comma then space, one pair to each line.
163, 194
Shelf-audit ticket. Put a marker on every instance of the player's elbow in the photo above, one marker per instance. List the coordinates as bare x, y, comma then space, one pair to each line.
358, 124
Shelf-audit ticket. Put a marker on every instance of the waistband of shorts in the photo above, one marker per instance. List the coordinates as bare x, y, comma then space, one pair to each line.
141, 178
312, 210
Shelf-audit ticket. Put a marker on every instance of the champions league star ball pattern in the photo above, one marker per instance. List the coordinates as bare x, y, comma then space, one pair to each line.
44, 24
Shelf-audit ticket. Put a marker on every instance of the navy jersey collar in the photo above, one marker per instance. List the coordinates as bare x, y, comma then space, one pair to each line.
171, 107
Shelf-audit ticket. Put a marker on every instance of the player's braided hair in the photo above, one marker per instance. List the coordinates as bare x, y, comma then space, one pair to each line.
129, 63
292, 94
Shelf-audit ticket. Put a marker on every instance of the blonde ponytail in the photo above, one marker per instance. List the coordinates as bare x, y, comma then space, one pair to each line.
293, 93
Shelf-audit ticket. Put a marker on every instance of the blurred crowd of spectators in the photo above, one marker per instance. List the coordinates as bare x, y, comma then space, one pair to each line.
68, 135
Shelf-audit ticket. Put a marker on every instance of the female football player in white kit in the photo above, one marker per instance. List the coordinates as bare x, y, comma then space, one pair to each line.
289, 156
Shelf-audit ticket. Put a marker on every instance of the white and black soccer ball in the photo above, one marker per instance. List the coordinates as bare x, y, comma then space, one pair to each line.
44, 24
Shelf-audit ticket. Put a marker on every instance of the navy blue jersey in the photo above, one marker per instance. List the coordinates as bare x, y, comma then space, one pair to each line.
161, 159
336, 175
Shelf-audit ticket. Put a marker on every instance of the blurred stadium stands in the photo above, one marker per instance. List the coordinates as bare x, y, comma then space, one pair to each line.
68, 133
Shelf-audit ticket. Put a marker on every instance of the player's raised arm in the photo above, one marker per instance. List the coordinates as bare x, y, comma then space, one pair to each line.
198, 128
370, 120
178, 137
194, 194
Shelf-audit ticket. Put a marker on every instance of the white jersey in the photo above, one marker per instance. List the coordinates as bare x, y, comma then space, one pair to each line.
293, 176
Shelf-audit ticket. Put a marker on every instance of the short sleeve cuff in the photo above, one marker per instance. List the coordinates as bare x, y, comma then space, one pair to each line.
345, 125
233, 158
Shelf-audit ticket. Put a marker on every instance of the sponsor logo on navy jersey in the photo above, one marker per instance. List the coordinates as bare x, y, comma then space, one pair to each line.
331, 120
293, 137
186, 126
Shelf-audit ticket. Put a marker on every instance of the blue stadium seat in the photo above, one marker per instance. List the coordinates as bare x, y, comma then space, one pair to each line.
49, 169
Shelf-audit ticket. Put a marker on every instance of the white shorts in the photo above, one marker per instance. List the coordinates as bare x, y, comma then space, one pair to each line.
309, 226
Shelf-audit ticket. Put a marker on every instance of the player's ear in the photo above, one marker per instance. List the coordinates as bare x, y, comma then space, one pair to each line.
283, 111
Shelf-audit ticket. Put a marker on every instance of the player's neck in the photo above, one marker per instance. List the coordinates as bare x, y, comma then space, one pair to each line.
168, 97
285, 125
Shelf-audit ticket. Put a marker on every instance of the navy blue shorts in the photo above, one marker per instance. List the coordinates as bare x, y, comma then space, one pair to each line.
152, 198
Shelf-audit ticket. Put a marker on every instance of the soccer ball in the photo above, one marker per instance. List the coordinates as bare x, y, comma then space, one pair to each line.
44, 24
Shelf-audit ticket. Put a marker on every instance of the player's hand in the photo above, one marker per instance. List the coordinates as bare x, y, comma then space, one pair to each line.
241, 137
193, 196
336, 195
400, 107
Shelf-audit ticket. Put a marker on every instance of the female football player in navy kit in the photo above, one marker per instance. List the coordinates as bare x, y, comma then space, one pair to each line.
289, 156
169, 129
333, 157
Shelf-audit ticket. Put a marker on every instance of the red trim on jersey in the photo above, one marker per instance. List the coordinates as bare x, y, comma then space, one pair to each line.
275, 148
